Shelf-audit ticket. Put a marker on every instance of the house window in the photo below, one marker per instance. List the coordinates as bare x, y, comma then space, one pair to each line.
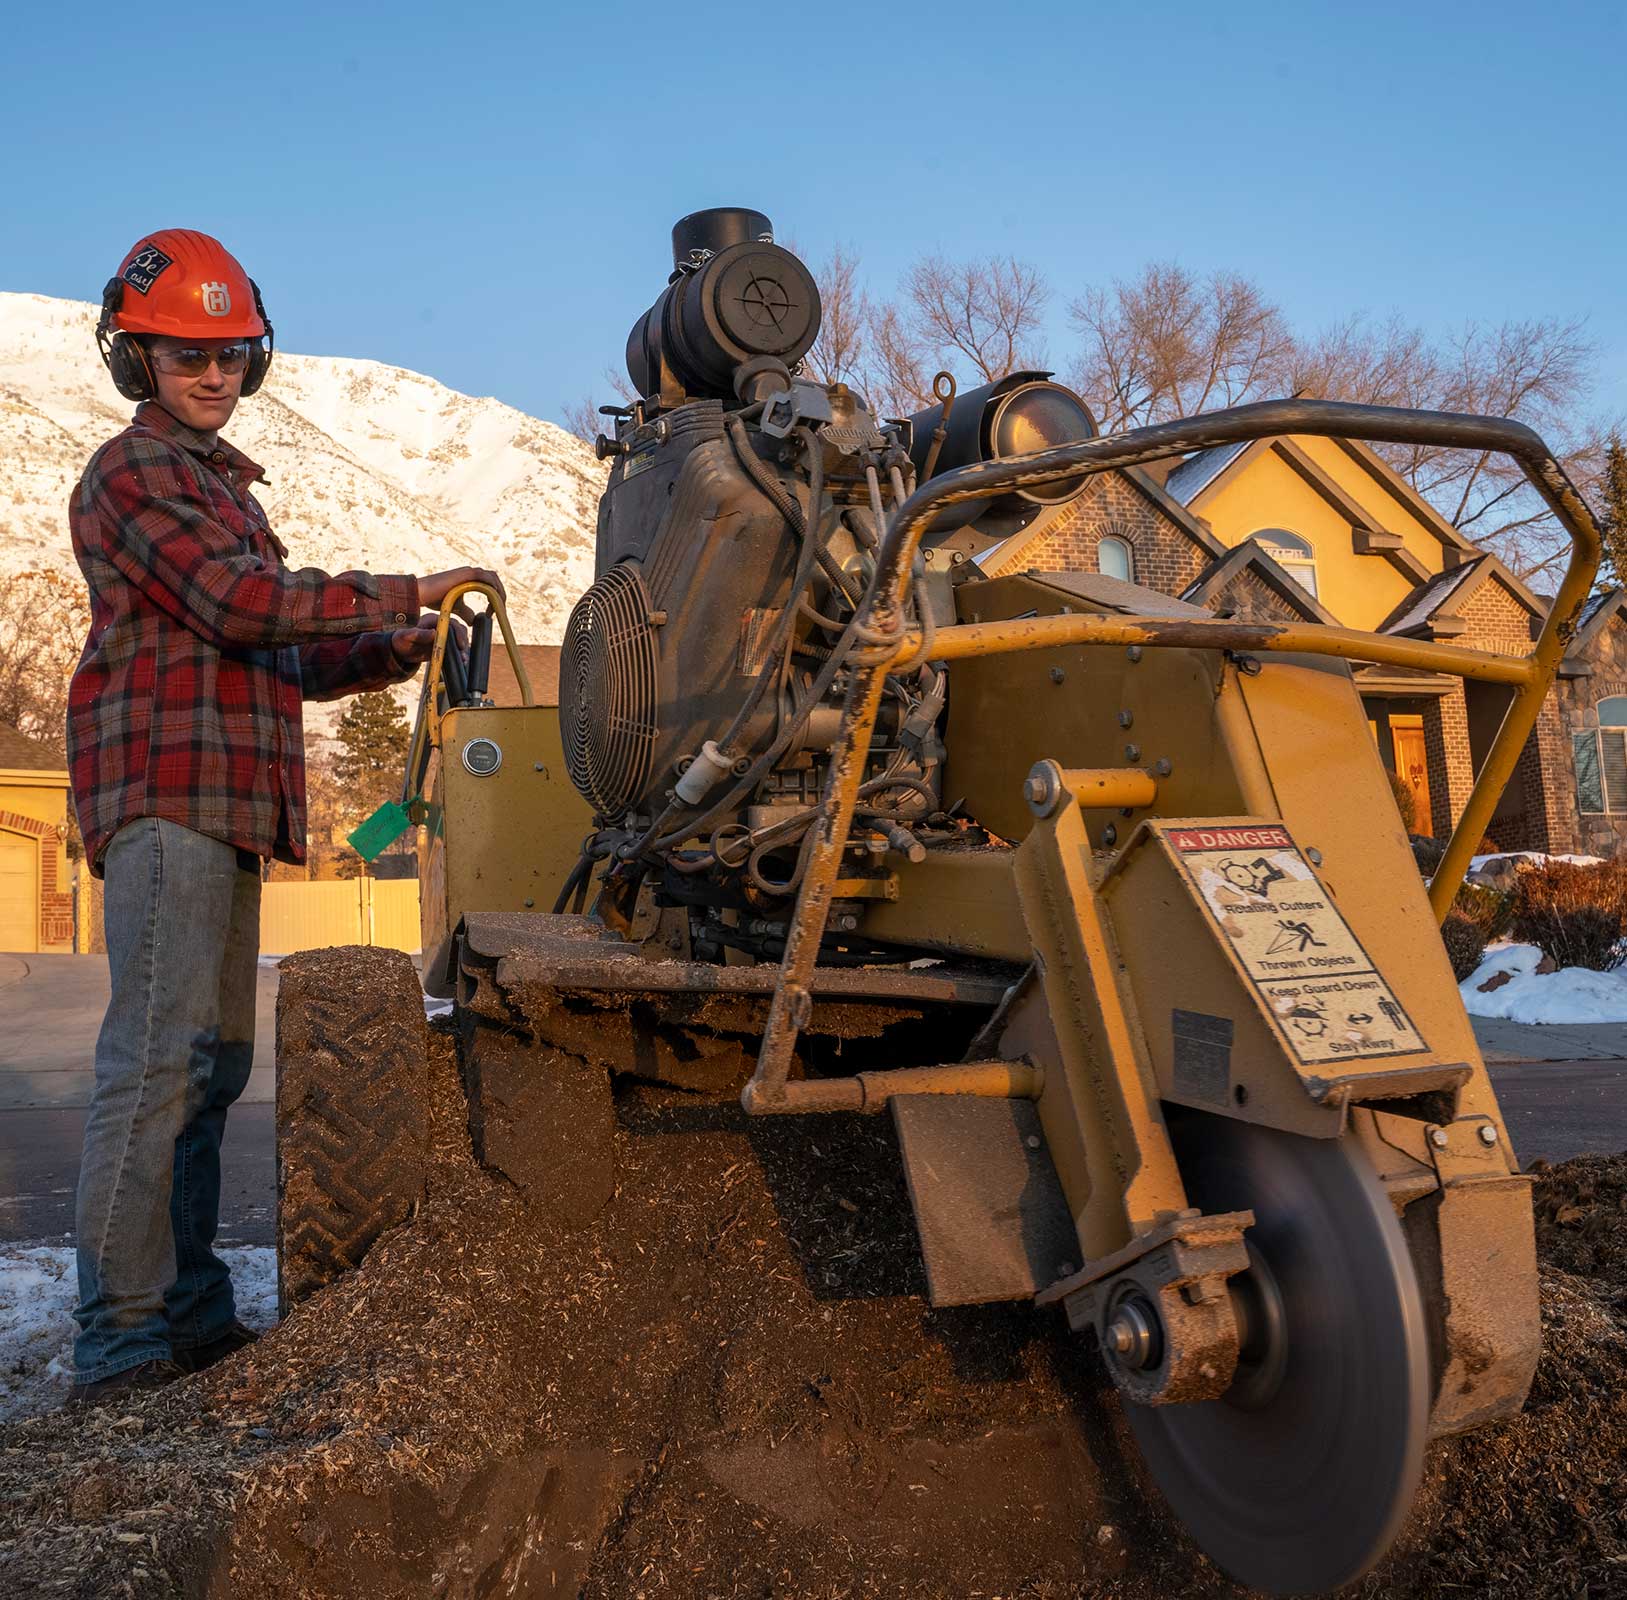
1114, 559
1601, 761
1293, 554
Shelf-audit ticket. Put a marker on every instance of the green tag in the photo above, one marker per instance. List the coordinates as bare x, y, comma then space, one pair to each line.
382, 829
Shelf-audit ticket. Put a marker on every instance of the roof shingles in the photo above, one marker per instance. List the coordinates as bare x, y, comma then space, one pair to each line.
19, 753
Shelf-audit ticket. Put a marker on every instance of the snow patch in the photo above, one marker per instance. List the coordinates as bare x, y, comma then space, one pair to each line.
1572, 994
1476, 862
38, 1292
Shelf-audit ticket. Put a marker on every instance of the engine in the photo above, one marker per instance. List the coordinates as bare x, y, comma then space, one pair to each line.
703, 673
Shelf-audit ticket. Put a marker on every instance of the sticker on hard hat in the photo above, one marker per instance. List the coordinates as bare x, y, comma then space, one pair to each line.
217, 299
144, 267
1302, 957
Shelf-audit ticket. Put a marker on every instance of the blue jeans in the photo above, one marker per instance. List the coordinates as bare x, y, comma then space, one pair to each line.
182, 917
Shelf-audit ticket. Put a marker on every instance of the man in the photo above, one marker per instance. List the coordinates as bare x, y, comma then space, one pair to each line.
186, 751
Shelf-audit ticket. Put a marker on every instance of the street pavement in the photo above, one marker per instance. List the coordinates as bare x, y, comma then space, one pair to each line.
1563, 1090
50, 1011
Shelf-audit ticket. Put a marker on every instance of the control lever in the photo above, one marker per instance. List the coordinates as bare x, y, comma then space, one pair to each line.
480, 654
455, 670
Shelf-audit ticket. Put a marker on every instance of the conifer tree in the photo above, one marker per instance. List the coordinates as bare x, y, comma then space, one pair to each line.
372, 737
1613, 521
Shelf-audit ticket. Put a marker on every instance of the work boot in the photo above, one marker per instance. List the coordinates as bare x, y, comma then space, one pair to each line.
236, 1337
152, 1374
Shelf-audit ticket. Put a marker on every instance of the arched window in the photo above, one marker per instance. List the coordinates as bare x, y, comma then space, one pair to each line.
1296, 556
1115, 559
1601, 760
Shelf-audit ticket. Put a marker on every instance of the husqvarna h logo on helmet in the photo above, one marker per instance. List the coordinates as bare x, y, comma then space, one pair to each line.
217, 300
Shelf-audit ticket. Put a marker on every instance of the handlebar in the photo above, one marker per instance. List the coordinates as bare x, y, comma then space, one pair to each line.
882, 613
464, 675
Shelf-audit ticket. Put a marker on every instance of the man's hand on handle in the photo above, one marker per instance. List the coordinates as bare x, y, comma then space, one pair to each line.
435, 588
416, 644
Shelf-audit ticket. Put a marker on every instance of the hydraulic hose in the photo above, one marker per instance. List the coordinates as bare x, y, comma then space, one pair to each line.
788, 506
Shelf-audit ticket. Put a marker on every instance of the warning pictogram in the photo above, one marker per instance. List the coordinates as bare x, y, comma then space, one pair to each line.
1292, 941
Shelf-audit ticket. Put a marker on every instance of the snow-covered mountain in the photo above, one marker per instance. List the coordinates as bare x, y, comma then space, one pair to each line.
370, 466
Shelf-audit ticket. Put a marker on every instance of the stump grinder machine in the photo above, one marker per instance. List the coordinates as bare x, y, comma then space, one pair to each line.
1104, 899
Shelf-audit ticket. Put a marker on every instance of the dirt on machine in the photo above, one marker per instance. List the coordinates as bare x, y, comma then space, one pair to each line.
1098, 904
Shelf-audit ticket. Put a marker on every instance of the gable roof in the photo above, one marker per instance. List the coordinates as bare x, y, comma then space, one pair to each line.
541, 662
1200, 473
1250, 556
1426, 600
1116, 595
998, 559
1377, 468
1449, 590
19, 753
1596, 616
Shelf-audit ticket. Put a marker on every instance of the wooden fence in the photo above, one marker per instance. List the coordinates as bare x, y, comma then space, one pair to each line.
298, 916
310, 916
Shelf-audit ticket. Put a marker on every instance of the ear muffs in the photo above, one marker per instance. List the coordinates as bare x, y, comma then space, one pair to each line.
260, 353
122, 353
125, 357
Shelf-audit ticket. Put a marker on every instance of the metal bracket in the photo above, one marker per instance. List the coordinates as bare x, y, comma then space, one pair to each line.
1160, 1310
1467, 1147
802, 402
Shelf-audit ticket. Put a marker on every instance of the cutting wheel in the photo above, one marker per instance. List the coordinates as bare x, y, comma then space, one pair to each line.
1298, 1478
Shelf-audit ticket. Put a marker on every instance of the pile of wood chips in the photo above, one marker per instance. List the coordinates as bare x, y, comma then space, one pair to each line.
730, 1386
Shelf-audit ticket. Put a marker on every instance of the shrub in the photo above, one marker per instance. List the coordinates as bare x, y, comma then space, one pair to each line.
1575, 915
1406, 802
1490, 910
1427, 853
1465, 944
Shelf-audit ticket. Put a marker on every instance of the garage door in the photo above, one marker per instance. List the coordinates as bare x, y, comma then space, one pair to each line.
19, 892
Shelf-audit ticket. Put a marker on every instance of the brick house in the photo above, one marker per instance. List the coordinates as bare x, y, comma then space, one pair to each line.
36, 891
1322, 530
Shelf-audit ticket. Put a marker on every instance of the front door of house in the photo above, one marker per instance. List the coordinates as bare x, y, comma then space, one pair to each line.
1413, 766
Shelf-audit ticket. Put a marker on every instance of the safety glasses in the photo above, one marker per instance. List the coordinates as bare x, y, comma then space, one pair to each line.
193, 362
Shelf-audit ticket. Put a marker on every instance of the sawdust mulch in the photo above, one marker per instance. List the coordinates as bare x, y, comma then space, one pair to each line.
734, 1374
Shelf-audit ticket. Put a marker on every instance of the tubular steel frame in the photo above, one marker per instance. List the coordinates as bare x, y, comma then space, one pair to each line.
883, 613
427, 726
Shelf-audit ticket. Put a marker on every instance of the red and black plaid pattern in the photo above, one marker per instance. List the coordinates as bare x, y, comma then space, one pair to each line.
186, 700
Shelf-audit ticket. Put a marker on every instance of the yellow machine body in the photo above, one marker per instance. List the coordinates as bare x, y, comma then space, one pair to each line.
493, 839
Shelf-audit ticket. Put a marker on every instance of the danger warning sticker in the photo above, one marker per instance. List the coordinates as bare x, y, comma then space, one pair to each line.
1299, 952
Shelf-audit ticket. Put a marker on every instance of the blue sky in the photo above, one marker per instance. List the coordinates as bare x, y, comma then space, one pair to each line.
484, 192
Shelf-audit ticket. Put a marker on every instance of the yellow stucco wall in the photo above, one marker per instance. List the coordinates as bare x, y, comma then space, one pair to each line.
28, 799
1266, 492
43, 797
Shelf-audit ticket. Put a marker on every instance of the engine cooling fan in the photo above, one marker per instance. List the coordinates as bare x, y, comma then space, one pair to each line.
607, 692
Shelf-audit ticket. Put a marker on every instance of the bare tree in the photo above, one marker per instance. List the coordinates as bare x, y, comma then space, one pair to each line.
1168, 344
1376, 364
897, 378
1538, 372
986, 313
979, 319
839, 353
582, 417
44, 617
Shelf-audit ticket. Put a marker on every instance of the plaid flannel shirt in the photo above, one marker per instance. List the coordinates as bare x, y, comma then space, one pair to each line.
203, 644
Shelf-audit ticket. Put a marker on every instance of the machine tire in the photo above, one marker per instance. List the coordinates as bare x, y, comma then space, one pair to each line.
352, 1112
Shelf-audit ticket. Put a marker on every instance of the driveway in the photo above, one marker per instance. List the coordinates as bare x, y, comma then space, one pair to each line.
50, 1010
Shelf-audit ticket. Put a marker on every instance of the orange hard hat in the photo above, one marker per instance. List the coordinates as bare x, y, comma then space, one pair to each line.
187, 285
